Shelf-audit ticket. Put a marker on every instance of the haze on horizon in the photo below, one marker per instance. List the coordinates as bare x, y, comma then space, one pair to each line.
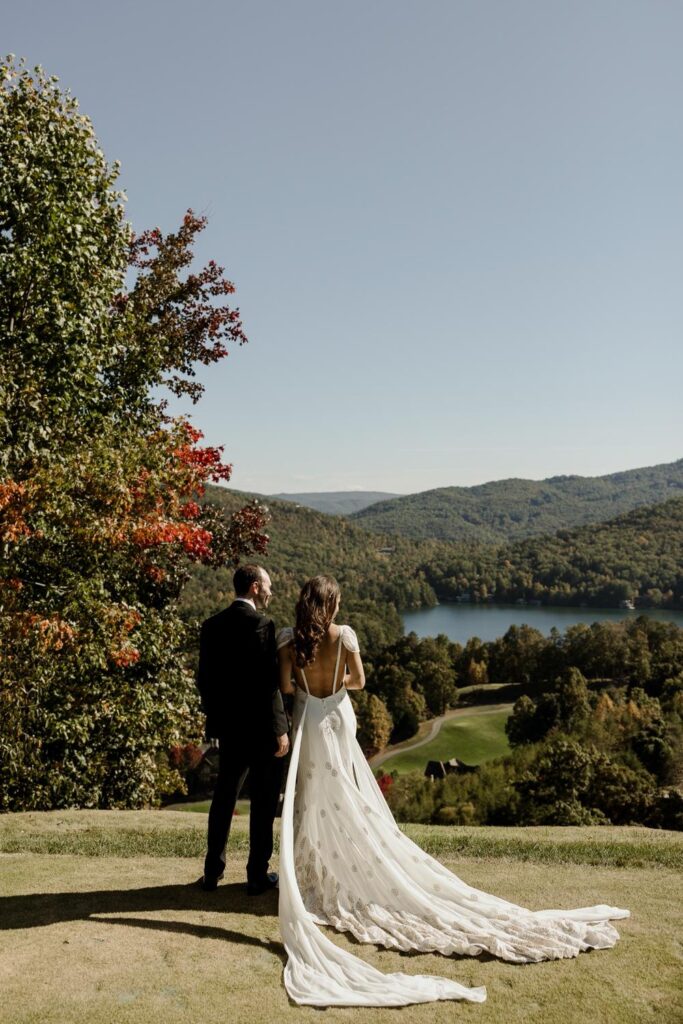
359, 490
455, 228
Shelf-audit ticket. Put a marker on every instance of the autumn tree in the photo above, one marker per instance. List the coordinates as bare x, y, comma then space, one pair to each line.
101, 491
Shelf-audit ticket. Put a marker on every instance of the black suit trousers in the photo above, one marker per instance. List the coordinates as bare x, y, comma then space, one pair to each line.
265, 779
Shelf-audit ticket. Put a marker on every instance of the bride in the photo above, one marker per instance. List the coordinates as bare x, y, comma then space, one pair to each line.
345, 863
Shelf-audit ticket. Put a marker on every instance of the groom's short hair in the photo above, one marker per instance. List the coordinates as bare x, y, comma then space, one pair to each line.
245, 576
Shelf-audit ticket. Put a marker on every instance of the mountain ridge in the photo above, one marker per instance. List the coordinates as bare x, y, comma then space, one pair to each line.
500, 511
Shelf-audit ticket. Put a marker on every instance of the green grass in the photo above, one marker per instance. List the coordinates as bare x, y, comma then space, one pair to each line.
92, 940
202, 807
472, 738
176, 834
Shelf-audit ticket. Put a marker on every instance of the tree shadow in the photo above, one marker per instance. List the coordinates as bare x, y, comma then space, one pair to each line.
37, 910
199, 931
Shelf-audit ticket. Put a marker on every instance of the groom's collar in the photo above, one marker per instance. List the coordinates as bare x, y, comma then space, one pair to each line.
247, 600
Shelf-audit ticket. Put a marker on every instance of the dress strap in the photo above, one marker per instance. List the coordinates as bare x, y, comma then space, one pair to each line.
336, 667
303, 676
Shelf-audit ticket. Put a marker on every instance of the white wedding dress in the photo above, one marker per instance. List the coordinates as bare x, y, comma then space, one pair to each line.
344, 862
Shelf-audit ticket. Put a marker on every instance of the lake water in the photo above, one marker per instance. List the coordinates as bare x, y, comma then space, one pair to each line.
488, 621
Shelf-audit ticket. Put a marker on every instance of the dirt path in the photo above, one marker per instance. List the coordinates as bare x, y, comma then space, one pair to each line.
402, 748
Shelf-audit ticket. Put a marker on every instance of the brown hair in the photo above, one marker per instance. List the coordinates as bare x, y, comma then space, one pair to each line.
245, 576
314, 612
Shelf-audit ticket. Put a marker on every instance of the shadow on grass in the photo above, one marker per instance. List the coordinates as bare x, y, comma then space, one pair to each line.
198, 931
37, 910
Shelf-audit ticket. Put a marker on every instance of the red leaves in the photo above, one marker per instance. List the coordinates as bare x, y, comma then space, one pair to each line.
182, 320
140, 246
205, 461
194, 540
13, 525
125, 657
51, 632
185, 757
190, 510
245, 534
385, 782
155, 573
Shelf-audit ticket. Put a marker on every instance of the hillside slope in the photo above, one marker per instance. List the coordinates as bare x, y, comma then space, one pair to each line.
377, 573
636, 555
508, 510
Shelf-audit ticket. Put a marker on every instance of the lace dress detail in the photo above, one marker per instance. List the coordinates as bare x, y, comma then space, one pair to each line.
344, 862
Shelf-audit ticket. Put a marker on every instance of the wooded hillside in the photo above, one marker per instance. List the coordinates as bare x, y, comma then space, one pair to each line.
509, 510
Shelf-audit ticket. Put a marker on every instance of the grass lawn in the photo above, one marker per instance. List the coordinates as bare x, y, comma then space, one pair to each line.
472, 738
202, 807
129, 938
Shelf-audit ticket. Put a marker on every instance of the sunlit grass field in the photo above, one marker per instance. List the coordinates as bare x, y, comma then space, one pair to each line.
472, 738
100, 921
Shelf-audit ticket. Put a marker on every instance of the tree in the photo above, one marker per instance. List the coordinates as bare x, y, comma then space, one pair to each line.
572, 699
374, 722
521, 726
101, 508
554, 788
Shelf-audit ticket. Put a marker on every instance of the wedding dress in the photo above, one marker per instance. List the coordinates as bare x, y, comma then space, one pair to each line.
344, 862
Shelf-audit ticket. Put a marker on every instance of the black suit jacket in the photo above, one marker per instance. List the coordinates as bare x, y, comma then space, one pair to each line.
237, 678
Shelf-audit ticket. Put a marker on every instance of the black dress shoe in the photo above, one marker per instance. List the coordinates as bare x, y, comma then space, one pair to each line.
208, 884
269, 882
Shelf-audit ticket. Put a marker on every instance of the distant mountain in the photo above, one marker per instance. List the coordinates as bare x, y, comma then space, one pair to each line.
337, 503
637, 556
510, 510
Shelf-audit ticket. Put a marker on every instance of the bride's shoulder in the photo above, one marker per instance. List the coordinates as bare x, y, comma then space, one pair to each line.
349, 639
285, 636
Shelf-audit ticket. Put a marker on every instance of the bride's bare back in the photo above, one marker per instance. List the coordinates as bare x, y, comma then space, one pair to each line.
320, 674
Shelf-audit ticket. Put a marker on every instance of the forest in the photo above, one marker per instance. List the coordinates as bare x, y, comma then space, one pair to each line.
509, 510
637, 556
598, 709
596, 731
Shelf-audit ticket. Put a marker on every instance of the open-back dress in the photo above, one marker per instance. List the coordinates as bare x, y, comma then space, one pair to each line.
345, 863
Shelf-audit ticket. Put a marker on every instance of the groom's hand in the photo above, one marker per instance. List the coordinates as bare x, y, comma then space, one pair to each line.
282, 745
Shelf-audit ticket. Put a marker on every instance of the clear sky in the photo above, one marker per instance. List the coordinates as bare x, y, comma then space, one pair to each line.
455, 226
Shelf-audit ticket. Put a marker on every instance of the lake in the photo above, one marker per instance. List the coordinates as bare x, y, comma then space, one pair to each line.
488, 621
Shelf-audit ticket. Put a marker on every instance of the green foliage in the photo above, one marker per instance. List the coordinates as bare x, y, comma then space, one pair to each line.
380, 574
373, 720
509, 510
586, 750
638, 555
98, 517
303, 543
570, 784
416, 679
565, 706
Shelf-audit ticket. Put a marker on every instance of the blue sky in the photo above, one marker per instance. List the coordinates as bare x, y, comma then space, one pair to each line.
455, 227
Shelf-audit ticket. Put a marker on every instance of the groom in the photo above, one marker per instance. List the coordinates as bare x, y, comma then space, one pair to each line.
238, 683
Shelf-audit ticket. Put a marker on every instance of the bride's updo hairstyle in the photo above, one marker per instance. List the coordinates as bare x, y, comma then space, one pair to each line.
315, 610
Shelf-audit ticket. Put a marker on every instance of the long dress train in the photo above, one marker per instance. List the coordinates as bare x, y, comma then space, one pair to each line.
344, 862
